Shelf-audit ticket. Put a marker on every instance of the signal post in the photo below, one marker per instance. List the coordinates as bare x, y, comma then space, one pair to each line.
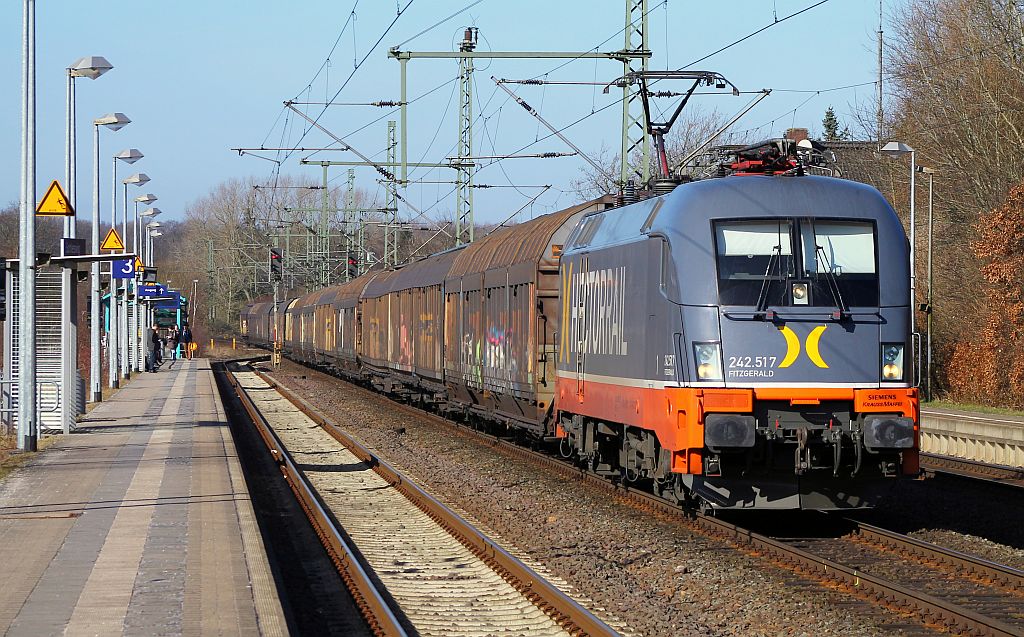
276, 269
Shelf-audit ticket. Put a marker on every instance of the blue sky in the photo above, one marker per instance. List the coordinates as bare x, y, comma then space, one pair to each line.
198, 78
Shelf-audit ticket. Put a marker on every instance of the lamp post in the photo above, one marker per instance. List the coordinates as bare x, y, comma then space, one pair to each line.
139, 327
146, 249
130, 322
27, 426
153, 235
928, 299
147, 259
195, 293
113, 121
895, 150
90, 67
114, 343
145, 200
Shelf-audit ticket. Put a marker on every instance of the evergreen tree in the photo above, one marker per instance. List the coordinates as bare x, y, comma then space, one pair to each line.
831, 127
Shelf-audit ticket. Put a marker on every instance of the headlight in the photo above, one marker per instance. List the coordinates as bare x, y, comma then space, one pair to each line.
800, 293
892, 361
708, 357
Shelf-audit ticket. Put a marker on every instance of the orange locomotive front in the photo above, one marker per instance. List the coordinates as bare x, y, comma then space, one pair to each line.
741, 343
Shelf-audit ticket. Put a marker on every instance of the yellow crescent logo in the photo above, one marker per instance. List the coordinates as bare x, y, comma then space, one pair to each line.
792, 346
812, 346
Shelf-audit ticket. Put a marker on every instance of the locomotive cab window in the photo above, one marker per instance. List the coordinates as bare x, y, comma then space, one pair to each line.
755, 259
834, 263
839, 261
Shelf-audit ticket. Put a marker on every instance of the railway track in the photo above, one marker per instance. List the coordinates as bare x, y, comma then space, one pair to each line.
960, 592
413, 565
959, 467
938, 588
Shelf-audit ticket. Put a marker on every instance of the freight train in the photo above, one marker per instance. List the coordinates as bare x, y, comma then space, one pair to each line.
740, 342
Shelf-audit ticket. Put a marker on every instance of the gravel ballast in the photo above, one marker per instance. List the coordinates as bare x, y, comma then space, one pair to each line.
649, 576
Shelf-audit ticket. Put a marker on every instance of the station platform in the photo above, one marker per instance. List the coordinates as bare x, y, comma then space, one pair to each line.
139, 523
978, 437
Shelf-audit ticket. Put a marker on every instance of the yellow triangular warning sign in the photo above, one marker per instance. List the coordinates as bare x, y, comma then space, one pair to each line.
138, 265
112, 241
55, 203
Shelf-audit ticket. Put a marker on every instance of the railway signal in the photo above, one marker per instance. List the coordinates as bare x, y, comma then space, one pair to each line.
276, 264
352, 267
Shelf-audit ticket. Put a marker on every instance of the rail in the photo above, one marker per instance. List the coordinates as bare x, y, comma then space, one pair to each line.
368, 598
573, 617
875, 590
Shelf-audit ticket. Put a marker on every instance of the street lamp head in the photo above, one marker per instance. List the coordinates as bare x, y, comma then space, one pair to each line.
926, 170
156, 233
896, 149
129, 155
153, 224
147, 198
91, 66
138, 179
151, 212
113, 121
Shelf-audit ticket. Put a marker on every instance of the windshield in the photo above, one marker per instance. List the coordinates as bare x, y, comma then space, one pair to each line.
757, 263
754, 260
839, 259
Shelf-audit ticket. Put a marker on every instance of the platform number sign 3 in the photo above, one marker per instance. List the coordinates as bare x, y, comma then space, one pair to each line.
124, 269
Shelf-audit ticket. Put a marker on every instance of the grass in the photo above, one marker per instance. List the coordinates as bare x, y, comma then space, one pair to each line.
981, 409
10, 459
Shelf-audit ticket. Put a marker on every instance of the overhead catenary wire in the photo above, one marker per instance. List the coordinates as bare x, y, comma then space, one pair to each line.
438, 23
327, 60
521, 208
355, 69
596, 111
483, 112
532, 111
401, 10
750, 35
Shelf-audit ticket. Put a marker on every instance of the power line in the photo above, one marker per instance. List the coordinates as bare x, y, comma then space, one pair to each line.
439, 23
327, 60
354, 70
750, 35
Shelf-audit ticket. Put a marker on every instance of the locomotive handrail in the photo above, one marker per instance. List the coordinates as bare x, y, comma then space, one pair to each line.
916, 338
766, 314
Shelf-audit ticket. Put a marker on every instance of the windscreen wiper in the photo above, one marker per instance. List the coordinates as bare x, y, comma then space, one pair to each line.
762, 297
833, 284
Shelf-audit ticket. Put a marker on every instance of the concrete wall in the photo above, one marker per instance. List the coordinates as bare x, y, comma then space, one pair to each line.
985, 438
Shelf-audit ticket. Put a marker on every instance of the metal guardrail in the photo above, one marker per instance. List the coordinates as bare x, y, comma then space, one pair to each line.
8, 397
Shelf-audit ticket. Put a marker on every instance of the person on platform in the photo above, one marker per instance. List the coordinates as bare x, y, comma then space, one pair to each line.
155, 344
186, 340
174, 337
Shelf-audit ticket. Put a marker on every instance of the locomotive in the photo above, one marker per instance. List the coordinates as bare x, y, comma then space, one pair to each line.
740, 342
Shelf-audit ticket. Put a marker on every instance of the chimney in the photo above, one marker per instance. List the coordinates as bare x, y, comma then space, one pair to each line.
796, 134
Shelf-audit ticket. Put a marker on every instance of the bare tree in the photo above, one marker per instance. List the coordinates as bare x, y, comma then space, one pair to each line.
957, 69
